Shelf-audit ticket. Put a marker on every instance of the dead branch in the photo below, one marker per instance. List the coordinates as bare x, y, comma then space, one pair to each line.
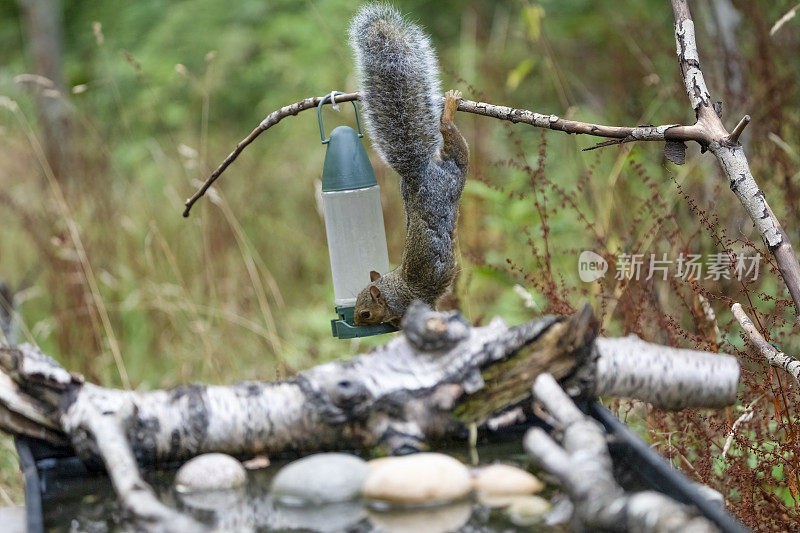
730, 154
271, 119
773, 356
419, 388
671, 378
583, 466
673, 132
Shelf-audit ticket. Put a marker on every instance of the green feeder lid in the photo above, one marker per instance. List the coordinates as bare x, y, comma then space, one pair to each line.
346, 166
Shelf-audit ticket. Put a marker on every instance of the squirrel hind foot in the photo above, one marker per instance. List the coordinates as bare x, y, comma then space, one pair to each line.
451, 99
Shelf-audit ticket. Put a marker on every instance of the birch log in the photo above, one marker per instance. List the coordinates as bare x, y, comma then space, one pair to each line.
583, 466
670, 378
404, 394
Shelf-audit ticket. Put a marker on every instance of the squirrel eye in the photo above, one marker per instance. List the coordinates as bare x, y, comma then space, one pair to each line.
364, 314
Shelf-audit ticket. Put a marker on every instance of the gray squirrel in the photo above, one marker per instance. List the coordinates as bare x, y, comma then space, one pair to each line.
412, 129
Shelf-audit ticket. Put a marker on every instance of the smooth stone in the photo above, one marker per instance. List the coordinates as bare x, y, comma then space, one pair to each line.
501, 480
210, 471
322, 477
496, 502
420, 478
527, 510
436, 520
378, 461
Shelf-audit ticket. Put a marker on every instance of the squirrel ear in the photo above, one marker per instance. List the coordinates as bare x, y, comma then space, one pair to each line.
375, 292
374, 275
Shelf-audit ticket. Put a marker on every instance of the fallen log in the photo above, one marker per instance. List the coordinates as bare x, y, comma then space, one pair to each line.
428, 383
423, 385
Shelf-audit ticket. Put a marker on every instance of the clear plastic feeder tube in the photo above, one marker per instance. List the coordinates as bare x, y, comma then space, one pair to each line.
356, 240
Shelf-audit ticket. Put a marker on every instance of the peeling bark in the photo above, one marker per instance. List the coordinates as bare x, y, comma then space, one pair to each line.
422, 386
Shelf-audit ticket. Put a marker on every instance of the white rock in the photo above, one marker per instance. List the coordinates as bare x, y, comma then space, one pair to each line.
499, 480
210, 471
527, 510
322, 477
420, 478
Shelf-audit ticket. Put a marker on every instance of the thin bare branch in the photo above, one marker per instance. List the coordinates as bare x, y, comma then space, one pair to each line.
789, 15
773, 356
272, 119
674, 132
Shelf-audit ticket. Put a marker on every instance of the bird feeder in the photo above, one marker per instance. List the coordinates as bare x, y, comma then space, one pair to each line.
353, 222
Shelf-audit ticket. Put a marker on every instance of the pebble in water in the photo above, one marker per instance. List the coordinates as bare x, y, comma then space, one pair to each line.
210, 471
527, 510
418, 479
500, 479
322, 477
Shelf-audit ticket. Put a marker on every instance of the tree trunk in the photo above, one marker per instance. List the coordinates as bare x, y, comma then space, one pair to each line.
42, 20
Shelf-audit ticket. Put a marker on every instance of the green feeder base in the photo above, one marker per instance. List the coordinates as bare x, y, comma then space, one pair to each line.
344, 328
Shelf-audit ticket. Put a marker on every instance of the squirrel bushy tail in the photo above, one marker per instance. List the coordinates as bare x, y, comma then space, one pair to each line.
412, 128
401, 94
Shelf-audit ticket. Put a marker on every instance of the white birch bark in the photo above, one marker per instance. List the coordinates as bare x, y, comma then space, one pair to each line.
583, 466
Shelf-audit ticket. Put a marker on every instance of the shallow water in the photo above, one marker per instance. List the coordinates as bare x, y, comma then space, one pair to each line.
90, 505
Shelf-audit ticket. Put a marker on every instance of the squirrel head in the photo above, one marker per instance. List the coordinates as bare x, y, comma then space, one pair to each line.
371, 306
